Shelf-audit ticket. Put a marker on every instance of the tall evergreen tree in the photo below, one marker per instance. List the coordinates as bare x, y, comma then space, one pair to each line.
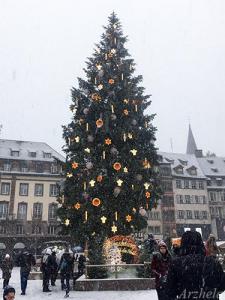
110, 154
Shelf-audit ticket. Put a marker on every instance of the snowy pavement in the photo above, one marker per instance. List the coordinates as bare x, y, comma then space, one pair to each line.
34, 292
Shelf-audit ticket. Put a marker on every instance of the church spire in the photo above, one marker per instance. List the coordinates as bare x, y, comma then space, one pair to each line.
191, 145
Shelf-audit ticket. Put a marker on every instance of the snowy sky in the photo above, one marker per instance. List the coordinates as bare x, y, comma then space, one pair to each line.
178, 45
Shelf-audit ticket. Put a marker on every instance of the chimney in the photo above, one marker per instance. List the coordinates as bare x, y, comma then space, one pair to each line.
198, 153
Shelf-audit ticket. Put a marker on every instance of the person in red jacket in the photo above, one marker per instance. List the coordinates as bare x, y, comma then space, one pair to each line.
159, 266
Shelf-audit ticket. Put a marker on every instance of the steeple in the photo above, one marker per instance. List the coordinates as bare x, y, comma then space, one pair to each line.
191, 145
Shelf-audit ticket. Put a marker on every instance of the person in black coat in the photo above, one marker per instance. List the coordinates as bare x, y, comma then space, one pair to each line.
193, 275
25, 261
46, 266
66, 270
54, 268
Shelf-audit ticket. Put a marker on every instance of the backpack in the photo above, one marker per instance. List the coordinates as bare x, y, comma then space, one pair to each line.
64, 265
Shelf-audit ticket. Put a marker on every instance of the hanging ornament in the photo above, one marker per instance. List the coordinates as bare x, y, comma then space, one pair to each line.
85, 111
128, 218
146, 124
115, 40
90, 138
99, 123
100, 86
148, 194
130, 136
95, 80
134, 122
108, 141
89, 165
122, 76
77, 139
67, 222
96, 202
139, 177
142, 212
77, 206
87, 150
147, 185
69, 175
126, 112
113, 117
81, 121
146, 164
114, 229
132, 186
85, 195
136, 108
87, 127
126, 101
113, 51
75, 165
119, 182
124, 137
103, 219
111, 81
134, 210
116, 215
92, 183
98, 66
96, 97
125, 170
85, 186
99, 178
112, 108
114, 151
106, 56
117, 166
100, 73
116, 191
86, 215
103, 154
134, 152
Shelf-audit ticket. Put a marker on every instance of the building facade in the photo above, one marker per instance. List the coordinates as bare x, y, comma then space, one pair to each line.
29, 176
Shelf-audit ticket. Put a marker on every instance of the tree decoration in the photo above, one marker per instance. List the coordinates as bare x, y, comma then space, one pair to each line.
134, 122
148, 194
99, 123
98, 66
147, 185
134, 152
86, 215
108, 141
69, 175
139, 177
99, 178
128, 218
114, 229
90, 138
103, 219
113, 117
116, 191
119, 182
67, 222
111, 81
126, 101
96, 202
125, 170
75, 165
77, 139
130, 136
100, 86
92, 183
116, 216
89, 165
87, 127
146, 164
126, 112
77, 205
85, 111
113, 51
117, 166
96, 97
87, 150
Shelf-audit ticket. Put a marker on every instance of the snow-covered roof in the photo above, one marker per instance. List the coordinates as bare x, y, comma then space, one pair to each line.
43, 152
212, 166
186, 162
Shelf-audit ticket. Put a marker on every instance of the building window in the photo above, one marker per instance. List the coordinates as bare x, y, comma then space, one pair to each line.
38, 189
32, 154
193, 171
201, 185
5, 188
52, 211
24, 189
180, 214
204, 214
212, 196
189, 214
186, 184
3, 229
19, 229
178, 184
7, 167
179, 170
39, 168
22, 211
3, 210
187, 199
193, 184
51, 229
167, 186
222, 196
47, 155
36, 229
165, 171
168, 201
157, 229
54, 169
179, 199
15, 153
37, 210
196, 214
197, 200
54, 190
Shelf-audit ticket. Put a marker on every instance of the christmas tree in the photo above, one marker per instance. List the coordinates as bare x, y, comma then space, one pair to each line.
111, 161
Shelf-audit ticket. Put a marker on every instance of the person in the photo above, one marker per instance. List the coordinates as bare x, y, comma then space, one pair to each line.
6, 266
81, 264
25, 261
54, 268
192, 275
46, 266
66, 270
159, 266
9, 293
211, 246
150, 244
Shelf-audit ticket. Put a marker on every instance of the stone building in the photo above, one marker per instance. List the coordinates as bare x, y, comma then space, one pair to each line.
29, 174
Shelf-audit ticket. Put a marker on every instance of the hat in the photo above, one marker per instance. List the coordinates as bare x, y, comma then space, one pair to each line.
48, 251
8, 289
162, 244
192, 243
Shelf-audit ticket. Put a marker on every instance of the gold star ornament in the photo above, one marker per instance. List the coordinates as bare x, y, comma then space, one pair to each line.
114, 229
134, 152
103, 219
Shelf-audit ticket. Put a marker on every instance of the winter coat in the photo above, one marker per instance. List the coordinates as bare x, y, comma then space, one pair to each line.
193, 276
46, 264
66, 264
159, 266
6, 266
25, 261
212, 250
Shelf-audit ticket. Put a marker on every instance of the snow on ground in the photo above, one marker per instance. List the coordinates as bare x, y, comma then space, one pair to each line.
34, 292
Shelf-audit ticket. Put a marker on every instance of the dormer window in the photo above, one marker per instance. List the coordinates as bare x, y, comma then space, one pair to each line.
32, 154
15, 153
179, 169
183, 162
47, 155
210, 161
214, 170
169, 160
192, 171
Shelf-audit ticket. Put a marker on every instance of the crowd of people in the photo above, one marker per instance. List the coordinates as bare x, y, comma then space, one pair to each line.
190, 270
49, 267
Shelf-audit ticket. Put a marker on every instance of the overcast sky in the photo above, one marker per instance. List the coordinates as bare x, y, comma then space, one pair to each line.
178, 46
